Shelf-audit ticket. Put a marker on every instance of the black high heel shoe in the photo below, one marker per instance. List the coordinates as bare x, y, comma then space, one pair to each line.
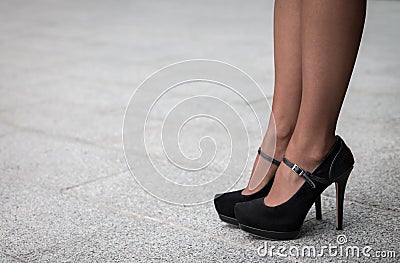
284, 221
225, 203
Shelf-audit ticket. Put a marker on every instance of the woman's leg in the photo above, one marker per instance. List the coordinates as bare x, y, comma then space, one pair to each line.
331, 33
287, 90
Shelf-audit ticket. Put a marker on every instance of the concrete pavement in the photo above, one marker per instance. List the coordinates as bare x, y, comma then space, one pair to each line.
67, 71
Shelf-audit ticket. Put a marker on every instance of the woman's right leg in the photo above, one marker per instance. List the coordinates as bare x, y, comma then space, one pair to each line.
287, 90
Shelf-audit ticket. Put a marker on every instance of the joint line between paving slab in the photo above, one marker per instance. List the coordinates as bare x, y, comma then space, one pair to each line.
13, 257
388, 209
58, 137
62, 190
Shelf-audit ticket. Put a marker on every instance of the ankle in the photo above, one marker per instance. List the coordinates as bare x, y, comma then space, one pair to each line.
309, 151
283, 136
278, 136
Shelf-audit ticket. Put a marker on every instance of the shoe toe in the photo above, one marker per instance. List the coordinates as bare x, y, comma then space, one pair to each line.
224, 203
247, 213
241, 212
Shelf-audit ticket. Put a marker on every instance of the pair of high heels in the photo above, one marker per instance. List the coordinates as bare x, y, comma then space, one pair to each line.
284, 221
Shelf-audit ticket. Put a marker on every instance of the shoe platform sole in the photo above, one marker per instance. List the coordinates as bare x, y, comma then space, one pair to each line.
229, 220
272, 235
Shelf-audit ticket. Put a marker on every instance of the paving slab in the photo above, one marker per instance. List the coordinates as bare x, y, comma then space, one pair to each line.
375, 69
6, 129
76, 92
33, 217
373, 182
363, 226
71, 120
370, 107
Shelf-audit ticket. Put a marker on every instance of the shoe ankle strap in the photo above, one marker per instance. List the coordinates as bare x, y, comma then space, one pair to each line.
309, 177
268, 158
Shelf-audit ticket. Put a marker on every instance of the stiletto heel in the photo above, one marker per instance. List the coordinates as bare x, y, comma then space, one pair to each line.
318, 212
340, 185
284, 221
225, 203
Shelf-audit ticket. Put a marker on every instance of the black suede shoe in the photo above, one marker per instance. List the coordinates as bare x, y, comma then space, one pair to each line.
284, 221
225, 203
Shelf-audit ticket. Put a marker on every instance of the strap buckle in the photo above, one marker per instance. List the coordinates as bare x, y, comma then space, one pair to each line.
300, 172
297, 169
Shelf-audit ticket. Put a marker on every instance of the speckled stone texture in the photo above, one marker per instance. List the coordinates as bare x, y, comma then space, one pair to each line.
67, 71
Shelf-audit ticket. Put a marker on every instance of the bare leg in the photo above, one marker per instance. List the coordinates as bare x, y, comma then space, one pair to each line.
287, 90
331, 33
